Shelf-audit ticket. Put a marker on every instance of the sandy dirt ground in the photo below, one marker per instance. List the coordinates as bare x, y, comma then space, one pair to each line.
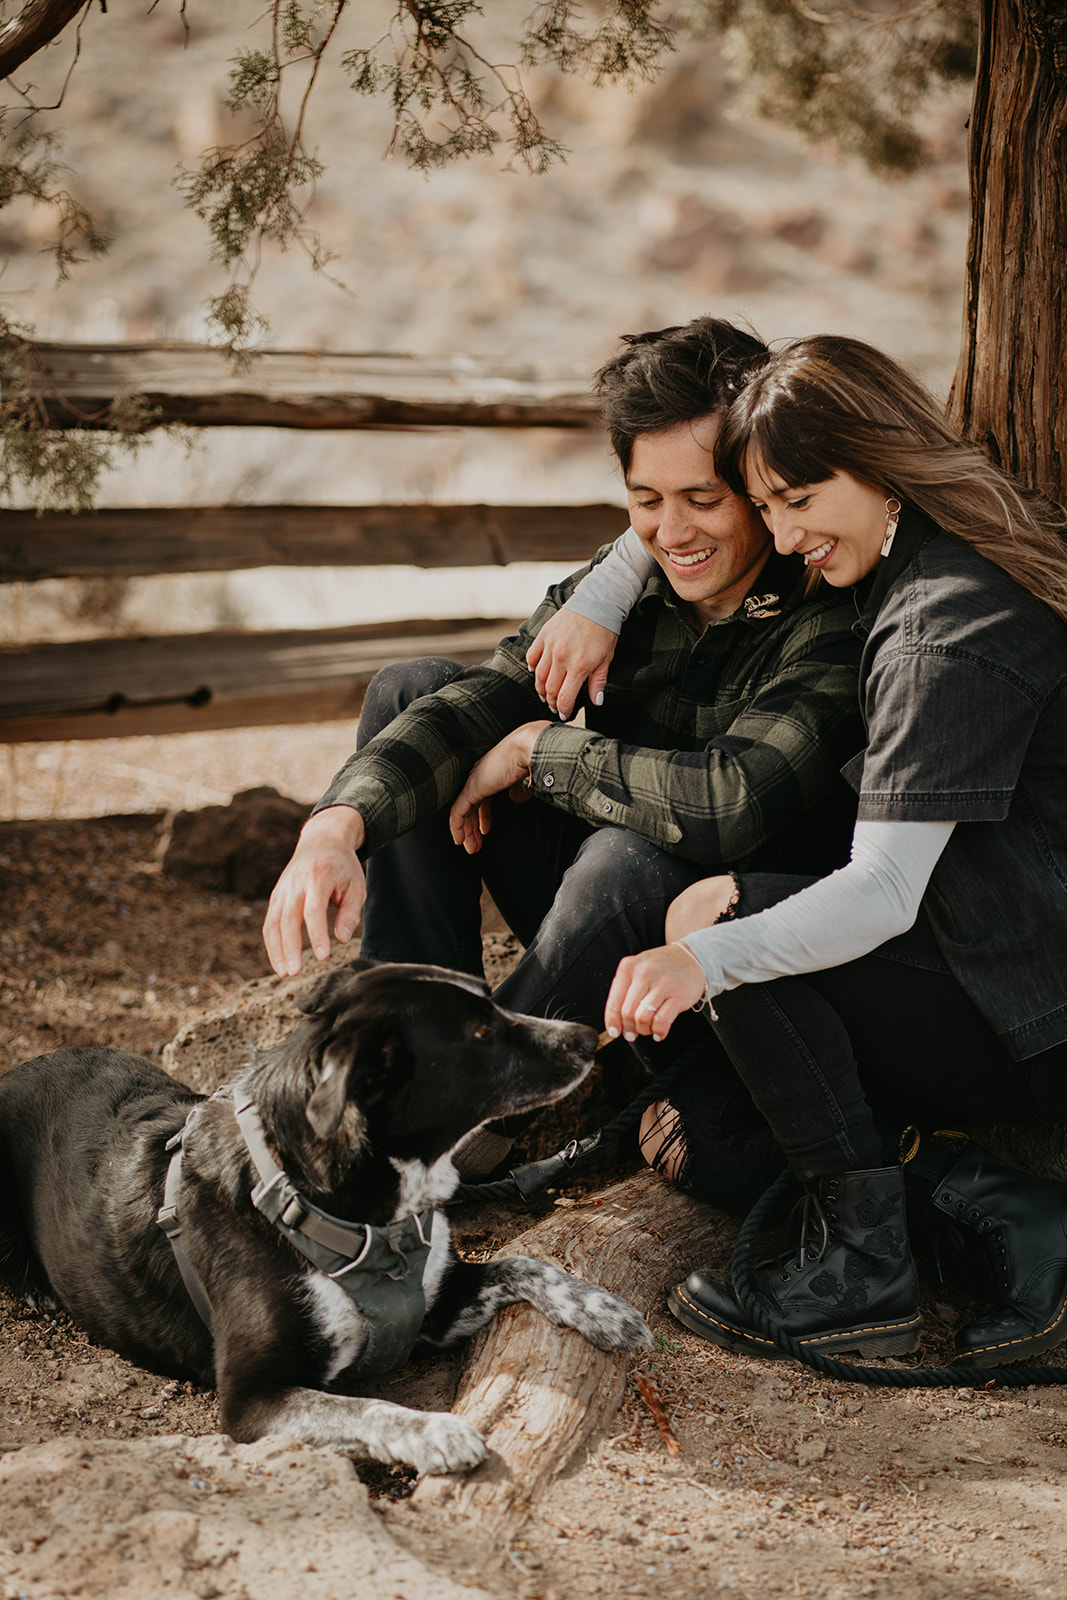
115, 1481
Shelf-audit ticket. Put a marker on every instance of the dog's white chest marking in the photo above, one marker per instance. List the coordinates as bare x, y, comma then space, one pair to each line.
422, 1186
338, 1321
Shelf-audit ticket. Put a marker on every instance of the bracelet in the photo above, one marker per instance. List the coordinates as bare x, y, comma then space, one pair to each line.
705, 999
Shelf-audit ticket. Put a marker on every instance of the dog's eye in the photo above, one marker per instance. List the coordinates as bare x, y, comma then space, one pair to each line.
486, 1031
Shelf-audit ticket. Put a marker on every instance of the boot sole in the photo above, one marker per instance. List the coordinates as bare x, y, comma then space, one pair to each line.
897, 1338
1021, 1349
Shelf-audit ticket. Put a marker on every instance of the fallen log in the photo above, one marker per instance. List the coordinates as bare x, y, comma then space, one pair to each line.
538, 1393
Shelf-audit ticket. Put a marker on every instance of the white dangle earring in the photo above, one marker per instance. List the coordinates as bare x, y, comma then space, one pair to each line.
892, 512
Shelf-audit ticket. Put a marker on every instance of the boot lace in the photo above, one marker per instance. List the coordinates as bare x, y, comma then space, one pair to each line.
812, 1224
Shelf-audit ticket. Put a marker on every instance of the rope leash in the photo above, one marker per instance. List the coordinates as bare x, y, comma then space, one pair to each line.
522, 1183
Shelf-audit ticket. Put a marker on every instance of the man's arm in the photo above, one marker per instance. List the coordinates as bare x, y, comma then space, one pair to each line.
419, 763
413, 768
765, 766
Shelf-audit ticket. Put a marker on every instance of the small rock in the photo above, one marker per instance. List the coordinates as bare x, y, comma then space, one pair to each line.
240, 848
809, 1450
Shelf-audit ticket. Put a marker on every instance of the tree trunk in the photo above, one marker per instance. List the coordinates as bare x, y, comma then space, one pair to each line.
538, 1392
1010, 389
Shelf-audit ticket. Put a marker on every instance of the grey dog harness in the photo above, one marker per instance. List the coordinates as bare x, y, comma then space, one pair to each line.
380, 1269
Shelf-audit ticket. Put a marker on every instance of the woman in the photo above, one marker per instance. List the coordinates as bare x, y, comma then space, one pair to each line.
931, 972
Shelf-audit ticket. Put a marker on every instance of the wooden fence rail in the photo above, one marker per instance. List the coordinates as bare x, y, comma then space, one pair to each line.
103, 688
186, 683
123, 544
75, 384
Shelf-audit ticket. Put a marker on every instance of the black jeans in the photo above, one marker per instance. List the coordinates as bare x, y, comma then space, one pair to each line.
579, 898
837, 1062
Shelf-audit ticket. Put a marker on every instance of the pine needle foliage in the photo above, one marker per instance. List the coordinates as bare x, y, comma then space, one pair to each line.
447, 100
30, 169
850, 71
853, 72
58, 467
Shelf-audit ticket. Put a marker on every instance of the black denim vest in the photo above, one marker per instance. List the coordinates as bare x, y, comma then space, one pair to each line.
963, 686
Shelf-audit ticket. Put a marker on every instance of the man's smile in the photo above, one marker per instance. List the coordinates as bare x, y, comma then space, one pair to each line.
692, 559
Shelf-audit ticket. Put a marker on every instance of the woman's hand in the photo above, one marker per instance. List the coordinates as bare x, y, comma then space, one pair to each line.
651, 989
571, 650
505, 766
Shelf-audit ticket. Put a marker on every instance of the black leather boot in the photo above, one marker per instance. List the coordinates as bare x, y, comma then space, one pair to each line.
850, 1286
1010, 1229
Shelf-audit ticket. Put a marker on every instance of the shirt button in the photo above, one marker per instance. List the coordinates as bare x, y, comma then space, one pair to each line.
548, 780
607, 805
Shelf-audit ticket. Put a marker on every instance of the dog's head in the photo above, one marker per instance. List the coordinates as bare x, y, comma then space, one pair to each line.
425, 1056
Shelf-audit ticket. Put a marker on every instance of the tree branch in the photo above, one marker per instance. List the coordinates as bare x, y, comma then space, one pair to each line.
37, 24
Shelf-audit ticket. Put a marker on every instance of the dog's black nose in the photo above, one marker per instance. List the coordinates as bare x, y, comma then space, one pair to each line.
587, 1039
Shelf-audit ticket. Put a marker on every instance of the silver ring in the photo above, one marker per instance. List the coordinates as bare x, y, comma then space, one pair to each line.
649, 1005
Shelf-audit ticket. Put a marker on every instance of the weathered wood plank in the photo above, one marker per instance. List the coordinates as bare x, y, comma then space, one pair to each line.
539, 1393
194, 384
124, 543
110, 688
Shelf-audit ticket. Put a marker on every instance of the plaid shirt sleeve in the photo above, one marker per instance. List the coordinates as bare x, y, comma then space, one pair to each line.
421, 761
706, 747
766, 749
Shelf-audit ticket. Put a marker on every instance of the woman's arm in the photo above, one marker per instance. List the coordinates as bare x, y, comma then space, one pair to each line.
577, 644
840, 918
609, 590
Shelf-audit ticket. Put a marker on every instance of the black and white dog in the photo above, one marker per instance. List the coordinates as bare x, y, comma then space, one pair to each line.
335, 1261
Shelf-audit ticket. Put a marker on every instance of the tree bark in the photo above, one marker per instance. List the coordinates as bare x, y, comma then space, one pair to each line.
539, 1393
1010, 389
37, 24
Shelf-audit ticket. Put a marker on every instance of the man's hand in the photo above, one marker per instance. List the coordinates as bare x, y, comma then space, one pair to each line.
651, 989
569, 650
504, 767
324, 871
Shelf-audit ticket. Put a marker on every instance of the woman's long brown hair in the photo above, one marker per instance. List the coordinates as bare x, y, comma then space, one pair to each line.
831, 404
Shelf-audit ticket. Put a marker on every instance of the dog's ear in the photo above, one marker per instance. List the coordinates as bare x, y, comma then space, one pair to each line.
375, 1059
326, 1105
326, 992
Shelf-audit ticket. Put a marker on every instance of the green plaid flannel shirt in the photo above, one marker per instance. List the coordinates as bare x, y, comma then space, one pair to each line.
708, 744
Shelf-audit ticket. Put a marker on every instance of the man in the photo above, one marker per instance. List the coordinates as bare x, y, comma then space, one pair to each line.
729, 710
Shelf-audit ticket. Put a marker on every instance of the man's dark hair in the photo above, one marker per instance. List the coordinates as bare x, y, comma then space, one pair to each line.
672, 376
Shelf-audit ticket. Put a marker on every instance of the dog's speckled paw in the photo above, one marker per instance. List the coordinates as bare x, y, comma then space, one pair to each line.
612, 1323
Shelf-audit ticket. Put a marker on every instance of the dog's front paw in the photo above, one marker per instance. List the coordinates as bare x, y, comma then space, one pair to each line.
433, 1442
447, 1444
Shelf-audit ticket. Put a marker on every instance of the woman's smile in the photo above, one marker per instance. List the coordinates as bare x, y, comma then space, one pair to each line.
816, 557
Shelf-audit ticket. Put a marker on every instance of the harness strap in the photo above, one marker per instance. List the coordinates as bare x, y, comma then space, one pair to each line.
169, 1220
380, 1269
347, 1239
